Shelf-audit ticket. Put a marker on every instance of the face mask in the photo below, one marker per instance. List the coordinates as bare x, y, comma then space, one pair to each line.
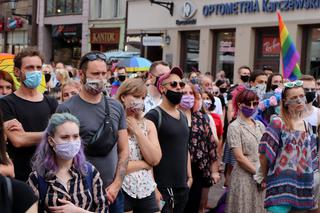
136, 106
95, 86
174, 97
310, 96
47, 76
296, 101
187, 101
223, 90
33, 79
194, 80
248, 112
274, 87
260, 89
245, 78
122, 78
207, 103
68, 149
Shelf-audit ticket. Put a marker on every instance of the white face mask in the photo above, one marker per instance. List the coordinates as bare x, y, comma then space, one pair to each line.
260, 89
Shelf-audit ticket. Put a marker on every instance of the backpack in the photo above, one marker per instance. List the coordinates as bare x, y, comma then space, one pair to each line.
43, 186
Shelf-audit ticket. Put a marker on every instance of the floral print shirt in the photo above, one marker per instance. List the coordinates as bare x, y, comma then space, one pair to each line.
139, 184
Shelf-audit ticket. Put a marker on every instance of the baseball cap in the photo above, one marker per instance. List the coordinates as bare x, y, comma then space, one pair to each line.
174, 70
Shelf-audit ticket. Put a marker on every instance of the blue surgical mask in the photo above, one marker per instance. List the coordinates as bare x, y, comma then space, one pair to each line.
33, 79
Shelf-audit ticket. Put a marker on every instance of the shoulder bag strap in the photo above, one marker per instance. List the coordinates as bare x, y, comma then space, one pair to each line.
10, 194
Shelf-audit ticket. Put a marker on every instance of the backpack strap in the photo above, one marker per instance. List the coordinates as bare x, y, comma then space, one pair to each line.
50, 103
9, 192
42, 188
89, 178
158, 110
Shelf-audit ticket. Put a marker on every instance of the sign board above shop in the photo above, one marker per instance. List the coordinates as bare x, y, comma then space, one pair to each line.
257, 6
152, 41
187, 11
104, 35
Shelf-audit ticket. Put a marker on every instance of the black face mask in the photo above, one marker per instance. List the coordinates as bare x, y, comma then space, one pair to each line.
223, 90
274, 87
47, 76
310, 96
245, 78
174, 97
122, 78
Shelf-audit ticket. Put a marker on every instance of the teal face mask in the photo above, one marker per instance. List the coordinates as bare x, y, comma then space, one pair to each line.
33, 79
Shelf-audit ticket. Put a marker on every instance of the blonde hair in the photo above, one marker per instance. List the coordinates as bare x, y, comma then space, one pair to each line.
132, 86
64, 74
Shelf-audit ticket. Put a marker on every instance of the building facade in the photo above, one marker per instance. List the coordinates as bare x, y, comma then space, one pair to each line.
214, 35
63, 30
107, 24
16, 32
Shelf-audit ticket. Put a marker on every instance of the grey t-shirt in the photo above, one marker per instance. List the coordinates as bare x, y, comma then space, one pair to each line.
91, 117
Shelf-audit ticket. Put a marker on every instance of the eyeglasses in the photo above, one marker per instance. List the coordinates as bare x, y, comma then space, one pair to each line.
174, 84
251, 103
92, 57
292, 84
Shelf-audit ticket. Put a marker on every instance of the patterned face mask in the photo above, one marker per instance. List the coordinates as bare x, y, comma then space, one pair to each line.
135, 106
301, 100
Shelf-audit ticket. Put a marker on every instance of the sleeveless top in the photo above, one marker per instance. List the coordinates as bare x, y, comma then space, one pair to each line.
139, 184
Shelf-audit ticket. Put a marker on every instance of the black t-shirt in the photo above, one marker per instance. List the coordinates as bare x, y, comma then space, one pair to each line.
34, 117
22, 196
173, 136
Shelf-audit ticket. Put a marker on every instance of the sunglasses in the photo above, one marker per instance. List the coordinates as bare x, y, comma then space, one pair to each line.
251, 103
92, 57
292, 84
174, 84
215, 93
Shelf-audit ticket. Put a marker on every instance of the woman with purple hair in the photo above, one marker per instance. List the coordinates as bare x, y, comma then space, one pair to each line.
62, 178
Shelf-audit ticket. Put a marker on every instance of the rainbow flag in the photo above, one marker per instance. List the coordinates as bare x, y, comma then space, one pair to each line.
290, 55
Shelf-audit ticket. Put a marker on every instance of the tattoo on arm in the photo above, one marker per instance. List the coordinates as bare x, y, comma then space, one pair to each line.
122, 168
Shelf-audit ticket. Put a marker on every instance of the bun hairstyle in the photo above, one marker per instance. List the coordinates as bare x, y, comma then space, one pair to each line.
241, 95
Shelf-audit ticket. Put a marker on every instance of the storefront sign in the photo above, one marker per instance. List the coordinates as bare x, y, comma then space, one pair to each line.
255, 6
270, 46
105, 35
66, 30
226, 46
187, 11
152, 41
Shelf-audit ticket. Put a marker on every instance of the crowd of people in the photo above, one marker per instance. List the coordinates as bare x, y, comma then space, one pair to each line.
100, 140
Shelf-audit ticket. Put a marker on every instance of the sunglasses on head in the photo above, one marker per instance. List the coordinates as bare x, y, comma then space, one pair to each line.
92, 57
251, 103
174, 84
292, 84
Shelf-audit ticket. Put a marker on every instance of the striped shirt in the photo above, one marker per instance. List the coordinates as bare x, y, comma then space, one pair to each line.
77, 192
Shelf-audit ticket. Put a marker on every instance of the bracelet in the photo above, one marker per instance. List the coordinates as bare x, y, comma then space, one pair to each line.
190, 178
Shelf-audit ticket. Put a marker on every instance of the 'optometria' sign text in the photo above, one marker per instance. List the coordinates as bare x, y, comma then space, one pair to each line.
267, 6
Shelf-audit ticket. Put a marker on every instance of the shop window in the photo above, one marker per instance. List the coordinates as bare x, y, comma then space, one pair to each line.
223, 52
63, 7
190, 50
267, 49
312, 51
